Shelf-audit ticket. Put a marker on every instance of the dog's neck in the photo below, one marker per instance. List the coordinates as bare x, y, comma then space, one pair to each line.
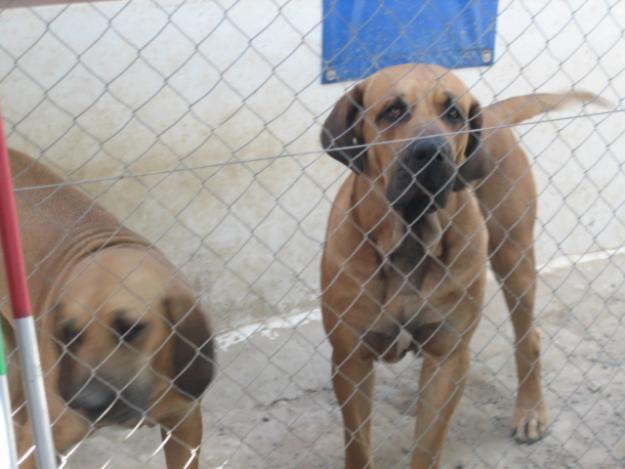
393, 238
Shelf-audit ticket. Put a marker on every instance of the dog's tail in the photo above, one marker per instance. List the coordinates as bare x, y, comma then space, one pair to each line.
519, 108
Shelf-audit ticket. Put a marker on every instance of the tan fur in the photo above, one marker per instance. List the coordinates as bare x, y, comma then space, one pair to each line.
364, 300
87, 270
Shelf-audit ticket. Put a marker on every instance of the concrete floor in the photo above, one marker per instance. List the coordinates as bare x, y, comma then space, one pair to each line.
272, 405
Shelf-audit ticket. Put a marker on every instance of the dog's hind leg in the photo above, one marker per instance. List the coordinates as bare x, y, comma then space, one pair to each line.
353, 378
508, 202
512, 259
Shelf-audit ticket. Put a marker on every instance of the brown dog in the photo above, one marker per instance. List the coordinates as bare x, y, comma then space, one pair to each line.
404, 262
122, 337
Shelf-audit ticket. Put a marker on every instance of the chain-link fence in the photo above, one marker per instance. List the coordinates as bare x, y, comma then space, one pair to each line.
197, 123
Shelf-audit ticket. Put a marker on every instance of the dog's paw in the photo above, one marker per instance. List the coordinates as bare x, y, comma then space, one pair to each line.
530, 425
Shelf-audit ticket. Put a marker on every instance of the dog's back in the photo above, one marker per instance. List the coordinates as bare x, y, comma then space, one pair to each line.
508, 195
38, 189
56, 221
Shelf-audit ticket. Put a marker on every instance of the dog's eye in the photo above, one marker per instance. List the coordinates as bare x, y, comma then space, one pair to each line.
394, 113
452, 114
70, 335
128, 330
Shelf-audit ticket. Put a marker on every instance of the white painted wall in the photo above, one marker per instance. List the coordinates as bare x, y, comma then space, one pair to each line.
217, 89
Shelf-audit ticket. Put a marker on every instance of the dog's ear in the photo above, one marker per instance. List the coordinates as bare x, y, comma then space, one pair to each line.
193, 366
477, 163
341, 135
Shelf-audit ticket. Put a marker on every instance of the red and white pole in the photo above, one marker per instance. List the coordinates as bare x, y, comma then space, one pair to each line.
26, 336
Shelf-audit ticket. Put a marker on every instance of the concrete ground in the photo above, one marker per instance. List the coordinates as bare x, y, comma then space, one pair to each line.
272, 405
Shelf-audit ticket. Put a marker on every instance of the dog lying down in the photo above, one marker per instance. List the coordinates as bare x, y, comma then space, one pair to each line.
122, 337
408, 239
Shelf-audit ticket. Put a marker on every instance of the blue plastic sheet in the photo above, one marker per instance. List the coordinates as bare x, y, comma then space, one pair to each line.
362, 36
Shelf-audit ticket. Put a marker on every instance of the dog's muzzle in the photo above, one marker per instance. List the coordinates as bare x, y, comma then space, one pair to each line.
421, 178
100, 399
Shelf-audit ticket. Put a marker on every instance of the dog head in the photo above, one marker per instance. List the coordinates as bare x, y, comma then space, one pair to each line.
413, 128
128, 326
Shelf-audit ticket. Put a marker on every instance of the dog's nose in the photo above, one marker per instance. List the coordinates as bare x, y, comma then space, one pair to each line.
427, 151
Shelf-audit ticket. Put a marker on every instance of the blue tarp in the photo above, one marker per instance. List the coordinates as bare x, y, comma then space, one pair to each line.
361, 36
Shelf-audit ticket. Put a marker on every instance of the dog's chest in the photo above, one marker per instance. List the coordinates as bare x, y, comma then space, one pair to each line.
406, 264
404, 301
406, 317
405, 322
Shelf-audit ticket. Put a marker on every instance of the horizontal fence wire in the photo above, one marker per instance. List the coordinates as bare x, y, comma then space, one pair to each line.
290, 155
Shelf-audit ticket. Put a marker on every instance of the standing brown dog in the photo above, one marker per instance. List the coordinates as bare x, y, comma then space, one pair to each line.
123, 339
404, 262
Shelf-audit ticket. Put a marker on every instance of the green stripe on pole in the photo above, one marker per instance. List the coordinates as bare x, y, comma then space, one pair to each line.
8, 453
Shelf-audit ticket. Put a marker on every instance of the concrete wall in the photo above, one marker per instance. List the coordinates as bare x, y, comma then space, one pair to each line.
220, 103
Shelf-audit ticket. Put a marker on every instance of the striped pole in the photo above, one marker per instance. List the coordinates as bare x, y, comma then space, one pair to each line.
8, 455
32, 374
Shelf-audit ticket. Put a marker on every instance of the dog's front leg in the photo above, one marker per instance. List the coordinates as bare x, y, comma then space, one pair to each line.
441, 385
68, 428
353, 378
183, 436
25, 444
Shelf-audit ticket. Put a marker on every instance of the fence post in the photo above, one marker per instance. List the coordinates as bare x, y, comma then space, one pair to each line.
32, 375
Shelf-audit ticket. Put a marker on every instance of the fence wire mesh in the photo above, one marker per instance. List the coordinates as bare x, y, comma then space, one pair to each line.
196, 123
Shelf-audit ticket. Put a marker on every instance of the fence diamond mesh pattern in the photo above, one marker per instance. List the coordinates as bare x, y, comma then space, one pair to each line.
197, 123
